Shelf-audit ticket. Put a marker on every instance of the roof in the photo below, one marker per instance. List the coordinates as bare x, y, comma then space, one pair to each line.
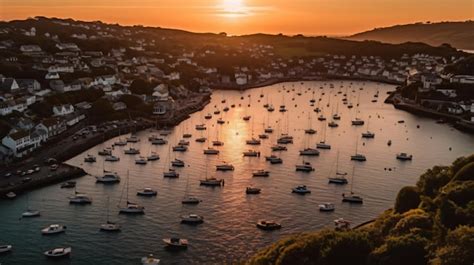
19, 135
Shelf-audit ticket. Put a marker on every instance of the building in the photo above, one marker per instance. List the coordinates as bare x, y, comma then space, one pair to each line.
9, 85
63, 110
241, 79
20, 143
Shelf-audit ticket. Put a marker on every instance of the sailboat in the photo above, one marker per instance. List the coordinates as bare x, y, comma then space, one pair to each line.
368, 134
308, 151
322, 144
171, 173
30, 212
109, 226
131, 208
253, 140
189, 199
340, 177
310, 130
357, 121
351, 198
357, 156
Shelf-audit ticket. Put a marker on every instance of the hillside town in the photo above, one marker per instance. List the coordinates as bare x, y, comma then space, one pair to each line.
50, 82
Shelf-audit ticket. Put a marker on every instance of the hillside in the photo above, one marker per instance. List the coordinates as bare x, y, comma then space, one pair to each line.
431, 223
458, 34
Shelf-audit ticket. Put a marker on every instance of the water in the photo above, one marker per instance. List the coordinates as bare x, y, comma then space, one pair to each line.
229, 233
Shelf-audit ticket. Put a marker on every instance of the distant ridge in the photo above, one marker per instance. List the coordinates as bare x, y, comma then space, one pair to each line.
458, 34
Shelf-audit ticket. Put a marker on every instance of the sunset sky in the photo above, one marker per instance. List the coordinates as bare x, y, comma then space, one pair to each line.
311, 17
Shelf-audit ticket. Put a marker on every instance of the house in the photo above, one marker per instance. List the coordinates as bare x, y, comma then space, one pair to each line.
61, 68
29, 84
430, 81
74, 118
9, 85
105, 80
52, 126
161, 93
30, 48
67, 46
240, 79
63, 110
84, 105
57, 85
5, 108
463, 79
20, 143
50, 76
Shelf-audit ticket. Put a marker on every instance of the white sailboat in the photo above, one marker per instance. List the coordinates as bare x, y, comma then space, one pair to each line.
322, 144
30, 212
109, 226
340, 177
131, 208
352, 198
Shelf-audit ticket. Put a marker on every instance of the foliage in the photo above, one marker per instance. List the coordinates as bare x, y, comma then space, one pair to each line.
458, 249
407, 198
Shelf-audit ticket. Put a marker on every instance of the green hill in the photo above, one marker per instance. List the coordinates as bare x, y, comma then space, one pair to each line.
431, 223
457, 34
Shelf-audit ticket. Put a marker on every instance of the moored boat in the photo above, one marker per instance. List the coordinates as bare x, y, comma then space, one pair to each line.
268, 225
58, 252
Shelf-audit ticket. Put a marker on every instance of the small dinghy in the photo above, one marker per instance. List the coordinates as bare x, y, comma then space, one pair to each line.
192, 219
58, 252
326, 207
53, 229
150, 260
147, 192
268, 225
176, 242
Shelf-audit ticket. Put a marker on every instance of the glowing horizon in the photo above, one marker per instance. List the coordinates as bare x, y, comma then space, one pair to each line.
237, 17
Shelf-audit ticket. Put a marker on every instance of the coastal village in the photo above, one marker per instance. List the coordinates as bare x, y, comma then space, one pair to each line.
53, 85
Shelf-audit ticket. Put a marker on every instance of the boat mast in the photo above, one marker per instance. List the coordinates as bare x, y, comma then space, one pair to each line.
352, 182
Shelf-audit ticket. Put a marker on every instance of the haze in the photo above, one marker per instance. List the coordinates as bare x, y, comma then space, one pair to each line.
312, 17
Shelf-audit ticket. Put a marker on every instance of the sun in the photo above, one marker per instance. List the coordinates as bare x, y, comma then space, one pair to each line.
233, 8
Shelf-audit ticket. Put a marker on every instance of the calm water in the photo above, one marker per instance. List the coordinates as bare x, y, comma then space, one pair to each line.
228, 233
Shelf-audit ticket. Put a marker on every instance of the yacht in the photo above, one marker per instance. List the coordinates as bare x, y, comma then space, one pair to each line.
268, 225
192, 219
357, 122
211, 151
159, 141
108, 177
30, 213
333, 124
150, 260
310, 131
309, 152
224, 167
321, 118
252, 153
350, 106
141, 161
187, 135
53, 229
252, 190
80, 198
305, 167
5, 248
177, 163
176, 242
201, 139
340, 178
253, 141
201, 127
153, 157
147, 192
183, 142
301, 190
342, 224
11, 195
404, 156
358, 157
109, 226
68, 185
271, 108
190, 200
279, 148
336, 117
58, 252
132, 208
131, 151
326, 207
212, 182
246, 118
220, 121
275, 160
285, 140
105, 152
268, 130
133, 139
226, 109
352, 198
263, 136
90, 159
180, 148
208, 116
368, 134
217, 112
112, 158
217, 143
261, 173
171, 173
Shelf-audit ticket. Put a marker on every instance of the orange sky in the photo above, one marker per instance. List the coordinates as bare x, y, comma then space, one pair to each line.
312, 17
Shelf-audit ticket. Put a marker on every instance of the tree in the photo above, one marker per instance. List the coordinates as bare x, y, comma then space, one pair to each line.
407, 198
140, 87
459, 247
408, 249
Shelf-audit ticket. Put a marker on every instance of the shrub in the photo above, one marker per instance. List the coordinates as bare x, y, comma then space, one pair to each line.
407, 198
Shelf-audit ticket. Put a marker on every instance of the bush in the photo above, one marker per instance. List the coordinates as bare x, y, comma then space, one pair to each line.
408, 198
413, 221
408, 249
459, 247
433, 179
465, 173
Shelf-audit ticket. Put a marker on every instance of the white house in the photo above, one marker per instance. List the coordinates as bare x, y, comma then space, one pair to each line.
161, 92
240, 79
9, 84
105, 80
19, 143
30, 48
63, 110
61, 68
